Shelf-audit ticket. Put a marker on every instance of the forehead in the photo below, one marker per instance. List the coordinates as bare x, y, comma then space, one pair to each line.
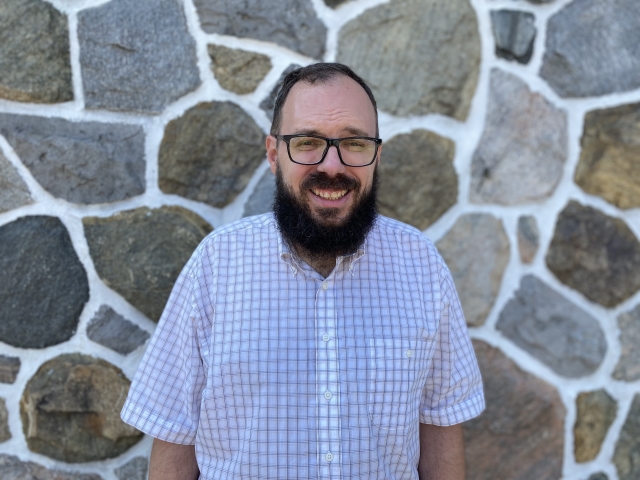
338, 105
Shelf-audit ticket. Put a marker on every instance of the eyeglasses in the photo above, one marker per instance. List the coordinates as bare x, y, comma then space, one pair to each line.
312, 149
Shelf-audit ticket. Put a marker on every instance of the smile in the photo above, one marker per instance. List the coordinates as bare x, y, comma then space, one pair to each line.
329, 194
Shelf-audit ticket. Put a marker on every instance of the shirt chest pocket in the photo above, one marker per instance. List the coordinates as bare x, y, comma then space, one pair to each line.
397, 374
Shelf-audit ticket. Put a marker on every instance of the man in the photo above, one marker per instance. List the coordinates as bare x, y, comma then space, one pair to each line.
320, 341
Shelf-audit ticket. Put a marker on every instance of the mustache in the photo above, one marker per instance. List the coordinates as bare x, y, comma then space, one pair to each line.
324, 181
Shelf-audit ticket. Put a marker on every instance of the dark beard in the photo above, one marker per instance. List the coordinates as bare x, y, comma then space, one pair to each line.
322, 240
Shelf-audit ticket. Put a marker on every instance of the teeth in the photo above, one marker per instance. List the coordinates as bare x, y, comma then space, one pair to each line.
329, 194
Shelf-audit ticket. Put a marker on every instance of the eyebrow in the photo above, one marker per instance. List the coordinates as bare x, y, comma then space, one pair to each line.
351, 130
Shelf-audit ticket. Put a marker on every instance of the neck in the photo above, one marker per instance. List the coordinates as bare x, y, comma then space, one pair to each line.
323, 264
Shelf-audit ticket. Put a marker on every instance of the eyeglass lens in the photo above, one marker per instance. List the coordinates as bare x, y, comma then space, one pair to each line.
354, 151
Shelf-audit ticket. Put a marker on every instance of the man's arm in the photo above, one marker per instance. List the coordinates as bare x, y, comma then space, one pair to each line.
441, 453
170, 461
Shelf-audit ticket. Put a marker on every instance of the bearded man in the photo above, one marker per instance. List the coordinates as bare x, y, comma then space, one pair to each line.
318, 341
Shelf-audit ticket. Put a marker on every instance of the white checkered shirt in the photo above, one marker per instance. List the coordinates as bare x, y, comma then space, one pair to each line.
277, 373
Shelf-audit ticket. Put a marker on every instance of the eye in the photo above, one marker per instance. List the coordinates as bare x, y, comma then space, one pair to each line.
307, 143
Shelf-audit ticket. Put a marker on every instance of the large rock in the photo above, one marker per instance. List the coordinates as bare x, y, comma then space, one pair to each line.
418, 56
112, 330
554, 330
596, 254
418, 182
592, 48
12, 468
528, 238
261, 200
521, 155
145, 63
13, 191
270, 101
9, 368
335, 3
35, 63
238, 70
627, 453
139, 253
628, 368
514, 32
596, 412
477, 276
70, 410
290, 23
210, 153
43, 285
610, 156
5, 433
82, 162
134, 469
522, 427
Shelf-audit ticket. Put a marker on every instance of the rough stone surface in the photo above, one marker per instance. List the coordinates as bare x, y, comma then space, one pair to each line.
593, 48
12, 468
210, 153
13, 191
523, 425
5, 433
335, 3
112, 330
139, 253
43, 286
35, 64
261, 200
418, 182
84, 162
477, 277
290, 23
514, 32
269, 103
528, 238
628, 368
523, 148
238, 70
596, 254
599, 476
596, 412
145, 63
134, 469
627, 453
554, 330
70, 410
418, 56
610, 157
9, 368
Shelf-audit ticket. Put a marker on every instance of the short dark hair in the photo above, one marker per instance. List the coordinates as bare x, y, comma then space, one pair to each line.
315, 73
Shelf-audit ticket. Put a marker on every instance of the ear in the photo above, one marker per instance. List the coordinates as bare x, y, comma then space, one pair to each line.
272, 152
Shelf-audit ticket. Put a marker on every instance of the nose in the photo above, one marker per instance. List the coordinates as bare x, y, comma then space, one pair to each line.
331, 165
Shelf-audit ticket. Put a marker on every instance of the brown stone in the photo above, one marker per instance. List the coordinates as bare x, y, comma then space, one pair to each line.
5, 433
418, 183
628, 368
596, 412
610, 158
12, 468
238, 70
627, 453
70, 410
9, 368
520, 436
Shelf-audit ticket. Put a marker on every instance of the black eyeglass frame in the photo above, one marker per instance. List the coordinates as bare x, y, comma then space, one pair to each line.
330, 142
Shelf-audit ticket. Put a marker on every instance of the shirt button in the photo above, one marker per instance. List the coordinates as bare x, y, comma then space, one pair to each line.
329, 456
409, 353
327, 395
325, 285
325, 337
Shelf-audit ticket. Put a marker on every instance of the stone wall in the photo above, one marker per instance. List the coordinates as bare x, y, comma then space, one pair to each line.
129, 129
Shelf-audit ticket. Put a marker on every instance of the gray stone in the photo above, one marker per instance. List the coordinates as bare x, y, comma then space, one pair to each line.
145, 63
418, 182
5, 433
35, 64
627, 452
520, 435
596, 254
112, 330
43, 285
134, 469
477, 277
139, 253
82, 162
335, 3
290, 23
528, 238
628, 368
610, 157
9, 368
551, 328
593, 48
521, 155
12, 468
261, 200
270, 102
599, 476
70, 410
13, 191
210, 153
238, 70
418, 56
514, 32
596, 412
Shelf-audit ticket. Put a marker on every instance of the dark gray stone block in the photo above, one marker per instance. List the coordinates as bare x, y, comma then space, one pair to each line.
134, 469
270, 102
12, 468
13, 191
627, 453
261, 200
5, 433
112, 330
514, 32
528, 238
628, 367
9, 368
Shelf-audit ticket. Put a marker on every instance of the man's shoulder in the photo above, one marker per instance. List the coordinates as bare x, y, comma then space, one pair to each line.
389, 226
